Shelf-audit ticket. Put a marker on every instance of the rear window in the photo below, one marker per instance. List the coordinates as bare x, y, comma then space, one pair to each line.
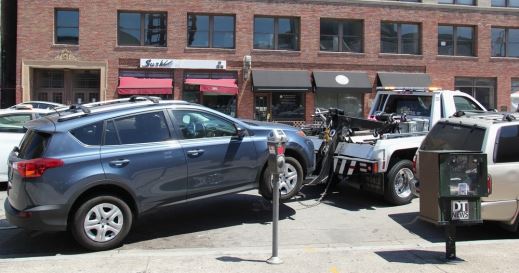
33, 145
447, 136
410, 105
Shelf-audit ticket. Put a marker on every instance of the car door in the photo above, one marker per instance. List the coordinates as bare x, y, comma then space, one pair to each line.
218, 160
504, 171
141, 151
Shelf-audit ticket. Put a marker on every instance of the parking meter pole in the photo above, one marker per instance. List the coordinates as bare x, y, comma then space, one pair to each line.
450, 242
275, 219
276, 141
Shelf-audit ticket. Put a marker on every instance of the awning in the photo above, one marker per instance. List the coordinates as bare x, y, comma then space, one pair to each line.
342, 81
394, 79
222, 86
144, 86
280, 81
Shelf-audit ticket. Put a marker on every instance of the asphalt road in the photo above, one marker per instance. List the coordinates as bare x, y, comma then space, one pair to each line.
238, 223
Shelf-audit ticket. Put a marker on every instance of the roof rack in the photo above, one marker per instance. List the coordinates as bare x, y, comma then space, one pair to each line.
407, 88
135, 98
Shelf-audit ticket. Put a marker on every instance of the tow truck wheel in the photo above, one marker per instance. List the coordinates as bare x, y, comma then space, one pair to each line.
290, 181
398, 179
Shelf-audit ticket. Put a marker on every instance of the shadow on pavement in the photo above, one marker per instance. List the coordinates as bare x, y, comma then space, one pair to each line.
341, 196
415, 257
208, 214
230, 259
433, 233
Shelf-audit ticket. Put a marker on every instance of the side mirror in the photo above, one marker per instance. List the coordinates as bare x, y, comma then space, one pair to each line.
240, 132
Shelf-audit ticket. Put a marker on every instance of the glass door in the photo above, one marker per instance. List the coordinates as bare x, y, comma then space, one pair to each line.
262, 107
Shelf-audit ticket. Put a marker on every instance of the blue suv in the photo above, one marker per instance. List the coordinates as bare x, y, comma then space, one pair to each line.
93, 169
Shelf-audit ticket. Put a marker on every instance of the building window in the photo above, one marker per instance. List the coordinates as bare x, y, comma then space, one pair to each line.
288, 106
414, 1
456, 40
458, 2
142, 29
400, 38
210, 31
482, 89
276, 33
341, 36
66, 24
505, 3
505, 42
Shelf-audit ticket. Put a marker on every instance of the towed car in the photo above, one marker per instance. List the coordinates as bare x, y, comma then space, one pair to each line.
94, 168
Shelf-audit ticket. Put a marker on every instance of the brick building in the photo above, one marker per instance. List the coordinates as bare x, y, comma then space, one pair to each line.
266, 59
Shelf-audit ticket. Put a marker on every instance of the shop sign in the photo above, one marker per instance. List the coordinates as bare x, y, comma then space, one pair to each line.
183, 64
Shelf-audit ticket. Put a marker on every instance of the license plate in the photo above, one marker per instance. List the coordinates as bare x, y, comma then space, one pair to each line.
460, 210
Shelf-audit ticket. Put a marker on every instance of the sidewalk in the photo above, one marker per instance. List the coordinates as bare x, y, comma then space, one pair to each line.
488, 256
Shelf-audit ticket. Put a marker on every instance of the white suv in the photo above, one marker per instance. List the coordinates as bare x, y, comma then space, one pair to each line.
497, 135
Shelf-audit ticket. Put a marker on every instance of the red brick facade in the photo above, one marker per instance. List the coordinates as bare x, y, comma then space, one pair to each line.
98, 40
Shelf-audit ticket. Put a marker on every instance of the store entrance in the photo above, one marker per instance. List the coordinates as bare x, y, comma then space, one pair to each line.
67, 86
262, 107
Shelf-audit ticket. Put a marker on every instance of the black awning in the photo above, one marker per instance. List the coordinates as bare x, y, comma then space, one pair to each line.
342, 81
407, 80
280, 81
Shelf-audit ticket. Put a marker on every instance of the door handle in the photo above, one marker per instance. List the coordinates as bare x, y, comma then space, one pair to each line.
119, 163
195, 153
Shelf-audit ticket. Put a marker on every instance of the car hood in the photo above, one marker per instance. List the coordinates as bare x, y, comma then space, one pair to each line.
254, 124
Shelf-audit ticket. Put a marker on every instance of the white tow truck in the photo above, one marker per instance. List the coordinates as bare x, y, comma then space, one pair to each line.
376, 154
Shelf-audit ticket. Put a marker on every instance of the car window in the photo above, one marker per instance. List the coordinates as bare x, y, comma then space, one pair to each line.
410, 105
33, 145
507, 145
465, 104
448, 136
90, 134
111, 136
14, 123
141, 128
195, 124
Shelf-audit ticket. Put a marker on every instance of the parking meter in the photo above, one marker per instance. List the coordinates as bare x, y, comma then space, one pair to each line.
276, 141
451, 186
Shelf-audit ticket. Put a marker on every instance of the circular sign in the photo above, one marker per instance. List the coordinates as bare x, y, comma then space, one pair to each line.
342, 79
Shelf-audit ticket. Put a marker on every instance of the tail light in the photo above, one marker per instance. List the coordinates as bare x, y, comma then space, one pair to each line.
414, 163
36, 167
489, 184
375, 168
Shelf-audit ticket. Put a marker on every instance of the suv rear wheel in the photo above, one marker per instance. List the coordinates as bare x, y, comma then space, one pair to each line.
101, 222
290, 181
398, 183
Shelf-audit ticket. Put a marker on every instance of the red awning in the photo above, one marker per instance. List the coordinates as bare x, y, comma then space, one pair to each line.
223, 86
144, 86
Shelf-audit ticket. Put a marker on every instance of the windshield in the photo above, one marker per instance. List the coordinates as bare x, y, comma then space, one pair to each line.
448, 136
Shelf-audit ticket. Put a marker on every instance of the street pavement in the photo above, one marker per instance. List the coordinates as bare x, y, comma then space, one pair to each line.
349, 232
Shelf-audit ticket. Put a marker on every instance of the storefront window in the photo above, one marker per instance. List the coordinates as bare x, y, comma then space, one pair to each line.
514, 97
350, 102
483, 89
225, 103
288, 106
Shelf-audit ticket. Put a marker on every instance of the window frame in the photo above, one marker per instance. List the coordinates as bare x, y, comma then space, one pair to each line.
456, 2
505, 39
142, 30
340, 23
399, 37
506, 5
211, 30
276, 32
455, 40
56, 10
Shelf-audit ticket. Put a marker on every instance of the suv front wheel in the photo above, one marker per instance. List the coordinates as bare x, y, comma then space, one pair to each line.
101, 222
290, 180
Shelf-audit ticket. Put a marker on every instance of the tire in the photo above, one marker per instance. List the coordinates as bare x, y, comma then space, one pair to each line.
397, 190
288, 189
113, 230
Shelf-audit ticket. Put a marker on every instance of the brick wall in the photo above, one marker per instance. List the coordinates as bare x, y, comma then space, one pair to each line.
98, 35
